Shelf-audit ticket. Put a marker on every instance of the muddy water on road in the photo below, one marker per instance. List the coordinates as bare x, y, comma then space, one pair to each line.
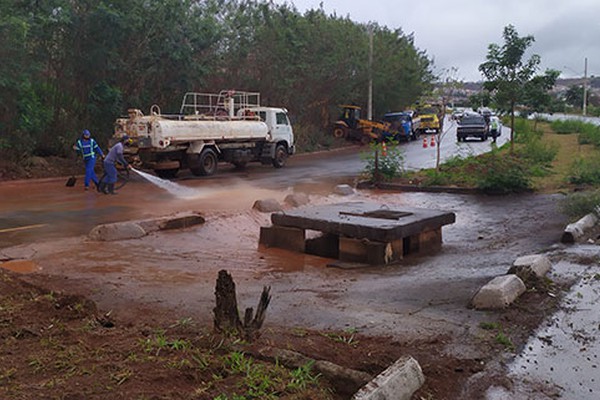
47, 209
423, 295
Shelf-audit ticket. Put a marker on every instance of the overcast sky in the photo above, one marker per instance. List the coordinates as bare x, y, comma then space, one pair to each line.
457, 33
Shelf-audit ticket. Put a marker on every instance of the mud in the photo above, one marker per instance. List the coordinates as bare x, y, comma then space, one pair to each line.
422, 295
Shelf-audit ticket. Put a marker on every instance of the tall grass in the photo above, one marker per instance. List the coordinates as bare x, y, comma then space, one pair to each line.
588, 133
577, 205
585, 171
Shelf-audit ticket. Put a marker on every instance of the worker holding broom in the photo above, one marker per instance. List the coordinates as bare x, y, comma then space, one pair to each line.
88, 148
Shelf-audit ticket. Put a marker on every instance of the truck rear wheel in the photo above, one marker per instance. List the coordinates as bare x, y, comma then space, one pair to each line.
166, 173
280, 156
206, 163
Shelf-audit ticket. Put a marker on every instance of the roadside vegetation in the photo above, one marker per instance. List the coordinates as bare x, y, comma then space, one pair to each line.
548, 157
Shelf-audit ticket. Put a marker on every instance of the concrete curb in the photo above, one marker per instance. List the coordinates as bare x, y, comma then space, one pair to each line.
398, 382
577, 229
137, 229
417, 188
499, 293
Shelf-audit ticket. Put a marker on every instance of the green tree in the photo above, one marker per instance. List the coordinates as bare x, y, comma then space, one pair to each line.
507, 73
574, 96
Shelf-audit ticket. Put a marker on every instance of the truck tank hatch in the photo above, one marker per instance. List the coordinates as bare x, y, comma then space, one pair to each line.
380, 214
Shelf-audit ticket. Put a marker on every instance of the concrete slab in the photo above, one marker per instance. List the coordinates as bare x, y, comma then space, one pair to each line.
398, 382
364, 220
499, 292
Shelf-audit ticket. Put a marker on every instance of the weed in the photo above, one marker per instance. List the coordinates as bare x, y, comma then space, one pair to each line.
490, 326
183, 322
160, 342
346, 337
121, 377
7, 374
237, 362
504, 340
303, 377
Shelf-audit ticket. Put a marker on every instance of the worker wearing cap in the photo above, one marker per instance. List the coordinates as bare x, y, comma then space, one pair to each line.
115, 155
88, 148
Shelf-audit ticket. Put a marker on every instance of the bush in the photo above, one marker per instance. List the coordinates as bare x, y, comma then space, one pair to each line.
577, 205
502, 174
585, 171
539, 152
524, 131
388, 164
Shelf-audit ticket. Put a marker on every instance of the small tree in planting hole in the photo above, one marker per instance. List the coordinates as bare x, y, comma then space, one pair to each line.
507, 74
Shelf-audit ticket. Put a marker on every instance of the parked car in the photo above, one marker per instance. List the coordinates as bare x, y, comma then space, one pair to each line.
472, 125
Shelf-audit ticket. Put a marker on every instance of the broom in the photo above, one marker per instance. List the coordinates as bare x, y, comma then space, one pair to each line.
71, 181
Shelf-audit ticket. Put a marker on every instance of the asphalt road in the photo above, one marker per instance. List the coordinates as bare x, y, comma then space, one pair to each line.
40, 209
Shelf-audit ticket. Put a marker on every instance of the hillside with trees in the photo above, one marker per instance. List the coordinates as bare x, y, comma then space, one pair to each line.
69, 65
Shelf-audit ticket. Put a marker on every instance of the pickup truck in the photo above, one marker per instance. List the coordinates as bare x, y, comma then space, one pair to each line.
472, 125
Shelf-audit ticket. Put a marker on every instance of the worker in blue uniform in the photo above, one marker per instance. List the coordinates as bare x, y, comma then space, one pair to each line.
115, 155
88, 148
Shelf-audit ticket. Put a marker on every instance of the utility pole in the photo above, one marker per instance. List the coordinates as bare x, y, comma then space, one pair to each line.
584, 108
370, 100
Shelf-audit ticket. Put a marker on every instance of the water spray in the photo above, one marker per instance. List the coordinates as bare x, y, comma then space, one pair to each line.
173, 188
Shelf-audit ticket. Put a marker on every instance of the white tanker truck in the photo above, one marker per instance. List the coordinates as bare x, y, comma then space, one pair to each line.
230, 126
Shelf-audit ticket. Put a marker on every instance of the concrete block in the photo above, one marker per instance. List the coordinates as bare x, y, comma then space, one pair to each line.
296, 199
577, 229
117, 231
343, 190
283, 237
369, 252
181, 222
536, 264
430, 241
326, 245
267, 205
499, 292
398, 382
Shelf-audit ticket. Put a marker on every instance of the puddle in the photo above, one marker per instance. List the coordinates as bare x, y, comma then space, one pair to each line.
565, 353
21, 266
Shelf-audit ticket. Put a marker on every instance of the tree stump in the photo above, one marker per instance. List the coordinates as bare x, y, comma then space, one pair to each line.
227, 319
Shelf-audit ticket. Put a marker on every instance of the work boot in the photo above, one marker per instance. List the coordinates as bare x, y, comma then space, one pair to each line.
111, 188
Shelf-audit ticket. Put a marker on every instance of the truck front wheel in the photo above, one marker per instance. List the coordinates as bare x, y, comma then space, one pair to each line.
339, 132
206, 164
280, 156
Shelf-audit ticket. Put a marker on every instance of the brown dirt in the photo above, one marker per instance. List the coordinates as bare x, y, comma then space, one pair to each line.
38, 167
